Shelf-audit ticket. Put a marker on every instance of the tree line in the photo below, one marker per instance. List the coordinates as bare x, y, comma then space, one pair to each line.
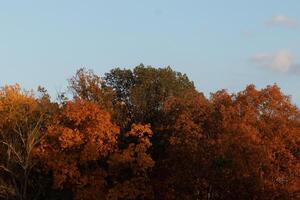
147, 133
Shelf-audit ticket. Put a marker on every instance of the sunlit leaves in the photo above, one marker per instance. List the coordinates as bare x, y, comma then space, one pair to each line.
80, 135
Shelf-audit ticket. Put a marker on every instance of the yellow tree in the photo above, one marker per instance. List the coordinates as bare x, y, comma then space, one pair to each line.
22, 120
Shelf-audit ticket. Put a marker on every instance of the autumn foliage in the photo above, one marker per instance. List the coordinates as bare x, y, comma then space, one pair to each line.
147, 133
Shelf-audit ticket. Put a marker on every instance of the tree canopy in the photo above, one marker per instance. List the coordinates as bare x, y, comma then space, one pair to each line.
147, 133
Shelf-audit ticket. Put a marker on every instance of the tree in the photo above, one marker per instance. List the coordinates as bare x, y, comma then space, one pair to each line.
80, 138
180, 171
131, 164
22, 120
144, 89
256, 143
234, 146
146, 133
141, 93
87, 85
138, 95
90, 159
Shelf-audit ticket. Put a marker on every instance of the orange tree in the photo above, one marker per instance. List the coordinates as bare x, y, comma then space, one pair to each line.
234, 146
80, 137
84, 154
180, 172
146, 133
257, 143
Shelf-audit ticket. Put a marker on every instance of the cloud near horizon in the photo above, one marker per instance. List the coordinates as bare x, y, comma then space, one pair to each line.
281, 61
282, 21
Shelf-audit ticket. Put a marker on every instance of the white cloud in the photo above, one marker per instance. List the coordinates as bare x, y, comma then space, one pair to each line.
283, 21
281, 61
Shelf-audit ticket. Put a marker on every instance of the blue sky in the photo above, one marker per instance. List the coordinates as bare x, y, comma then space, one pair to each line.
218, 44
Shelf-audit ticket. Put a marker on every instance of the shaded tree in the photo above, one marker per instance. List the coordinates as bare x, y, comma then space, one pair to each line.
129, 166
180, 172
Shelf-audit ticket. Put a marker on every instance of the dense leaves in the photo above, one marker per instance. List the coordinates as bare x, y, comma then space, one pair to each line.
80, 135
147, 133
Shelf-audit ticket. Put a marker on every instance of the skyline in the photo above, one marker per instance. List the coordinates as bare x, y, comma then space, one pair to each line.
219, 45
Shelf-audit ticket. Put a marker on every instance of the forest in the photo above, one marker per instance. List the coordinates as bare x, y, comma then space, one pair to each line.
147, 133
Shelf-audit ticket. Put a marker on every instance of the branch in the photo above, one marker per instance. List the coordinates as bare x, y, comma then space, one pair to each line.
14, 151
3, 168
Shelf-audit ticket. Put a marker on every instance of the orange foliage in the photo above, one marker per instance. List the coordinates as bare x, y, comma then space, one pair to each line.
135, 161
258, 131
81, 151
231, 146
81, 135
243, 146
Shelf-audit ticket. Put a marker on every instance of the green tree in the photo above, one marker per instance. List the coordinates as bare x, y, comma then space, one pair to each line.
144, 89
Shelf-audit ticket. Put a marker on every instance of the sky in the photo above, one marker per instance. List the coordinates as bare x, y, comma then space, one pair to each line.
219, 44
